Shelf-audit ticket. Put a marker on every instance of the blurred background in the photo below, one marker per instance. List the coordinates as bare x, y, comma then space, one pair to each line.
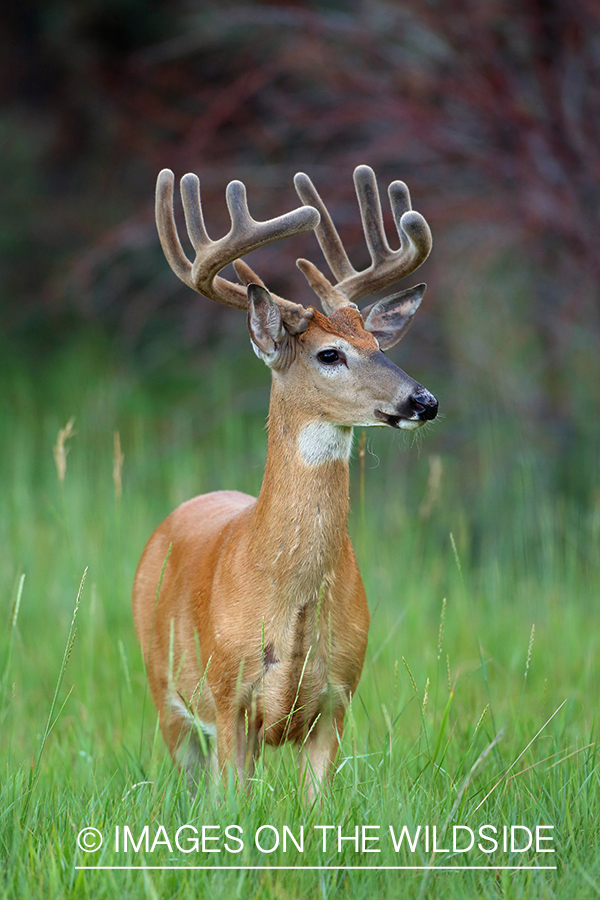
489, 111
124, 393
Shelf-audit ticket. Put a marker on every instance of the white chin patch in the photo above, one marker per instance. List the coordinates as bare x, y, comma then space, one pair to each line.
322, 442
410, 424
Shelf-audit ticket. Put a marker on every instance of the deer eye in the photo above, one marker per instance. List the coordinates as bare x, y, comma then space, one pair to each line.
329, 357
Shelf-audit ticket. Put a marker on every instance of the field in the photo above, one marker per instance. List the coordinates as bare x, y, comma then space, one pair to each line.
478, 701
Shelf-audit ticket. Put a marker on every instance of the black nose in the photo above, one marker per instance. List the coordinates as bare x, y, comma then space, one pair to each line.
424, 404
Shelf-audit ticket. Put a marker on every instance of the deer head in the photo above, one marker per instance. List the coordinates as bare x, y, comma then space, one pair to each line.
331, 367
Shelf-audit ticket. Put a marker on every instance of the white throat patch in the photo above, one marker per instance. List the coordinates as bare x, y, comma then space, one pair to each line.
322, 442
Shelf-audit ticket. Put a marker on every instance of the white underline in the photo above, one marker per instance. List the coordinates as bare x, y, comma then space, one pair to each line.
320, 868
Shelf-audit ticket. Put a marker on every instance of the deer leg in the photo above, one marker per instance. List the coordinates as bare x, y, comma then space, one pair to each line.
237, 738
190, 743
246, 748
318, 752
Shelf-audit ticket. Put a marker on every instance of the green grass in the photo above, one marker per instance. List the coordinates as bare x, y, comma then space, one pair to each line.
478, 698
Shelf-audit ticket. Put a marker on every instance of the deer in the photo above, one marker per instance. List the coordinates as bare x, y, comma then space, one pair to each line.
251, 612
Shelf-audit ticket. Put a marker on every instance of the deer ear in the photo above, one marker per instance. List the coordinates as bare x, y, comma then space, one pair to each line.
390, 318
265, 325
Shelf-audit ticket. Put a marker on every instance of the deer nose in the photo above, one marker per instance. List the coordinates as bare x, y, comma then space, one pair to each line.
423, 404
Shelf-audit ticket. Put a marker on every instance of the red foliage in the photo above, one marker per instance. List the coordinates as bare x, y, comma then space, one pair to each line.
490, 111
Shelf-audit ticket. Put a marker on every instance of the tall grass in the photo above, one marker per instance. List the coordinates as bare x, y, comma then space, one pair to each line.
478, 698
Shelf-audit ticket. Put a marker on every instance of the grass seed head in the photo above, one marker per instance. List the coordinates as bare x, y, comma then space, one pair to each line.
60, 450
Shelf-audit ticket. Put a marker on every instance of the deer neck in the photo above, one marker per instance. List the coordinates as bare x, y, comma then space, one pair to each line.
302, 509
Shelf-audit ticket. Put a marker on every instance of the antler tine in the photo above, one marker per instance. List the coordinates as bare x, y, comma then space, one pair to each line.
245, 235
167, 230
387, 265
192, 209
412, 228
367, 194
399, 199
326, 232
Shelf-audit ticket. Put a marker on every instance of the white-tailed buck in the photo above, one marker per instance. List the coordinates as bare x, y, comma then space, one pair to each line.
251, 612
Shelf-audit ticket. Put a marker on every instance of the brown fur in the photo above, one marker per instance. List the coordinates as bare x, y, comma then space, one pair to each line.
290, 549
260, 625
346, 322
